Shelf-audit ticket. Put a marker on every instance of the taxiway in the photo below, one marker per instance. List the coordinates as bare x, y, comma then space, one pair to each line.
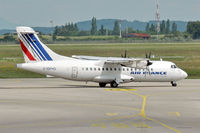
56, 105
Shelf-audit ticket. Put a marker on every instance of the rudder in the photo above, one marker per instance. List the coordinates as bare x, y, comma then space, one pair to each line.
33, 49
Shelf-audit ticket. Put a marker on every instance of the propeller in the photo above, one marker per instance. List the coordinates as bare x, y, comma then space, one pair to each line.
149, 55
125, 54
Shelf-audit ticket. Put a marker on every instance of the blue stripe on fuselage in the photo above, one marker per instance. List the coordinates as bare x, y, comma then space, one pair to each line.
35, 47
40, 47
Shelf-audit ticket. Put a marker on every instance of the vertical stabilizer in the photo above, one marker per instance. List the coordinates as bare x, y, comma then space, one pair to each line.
33, 49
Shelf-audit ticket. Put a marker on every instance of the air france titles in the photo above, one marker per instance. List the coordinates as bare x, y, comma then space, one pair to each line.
149, 73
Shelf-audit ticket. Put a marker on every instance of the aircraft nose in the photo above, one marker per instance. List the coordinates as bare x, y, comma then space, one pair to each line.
184, 74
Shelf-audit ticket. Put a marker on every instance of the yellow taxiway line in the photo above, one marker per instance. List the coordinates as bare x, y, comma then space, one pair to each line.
143, 114
142, 111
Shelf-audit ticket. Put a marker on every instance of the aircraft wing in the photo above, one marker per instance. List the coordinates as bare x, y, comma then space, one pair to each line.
127, 62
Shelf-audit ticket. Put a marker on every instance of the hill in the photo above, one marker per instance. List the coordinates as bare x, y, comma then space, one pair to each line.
86, 25
43, 30
136, 25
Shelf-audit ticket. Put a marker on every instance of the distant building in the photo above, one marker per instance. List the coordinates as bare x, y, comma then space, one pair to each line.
137, 35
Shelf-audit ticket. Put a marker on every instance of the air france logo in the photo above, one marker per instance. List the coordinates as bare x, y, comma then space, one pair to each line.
149, 73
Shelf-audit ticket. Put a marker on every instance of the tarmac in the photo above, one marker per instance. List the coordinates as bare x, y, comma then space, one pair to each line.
53, 105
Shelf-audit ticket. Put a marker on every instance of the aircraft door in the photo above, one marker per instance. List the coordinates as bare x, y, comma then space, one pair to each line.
74, 72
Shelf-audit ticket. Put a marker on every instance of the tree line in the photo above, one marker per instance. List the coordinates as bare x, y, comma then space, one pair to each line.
164, 28
193, 28
71, 29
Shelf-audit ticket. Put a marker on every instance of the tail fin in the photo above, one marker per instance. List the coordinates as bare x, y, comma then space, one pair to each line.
33, 49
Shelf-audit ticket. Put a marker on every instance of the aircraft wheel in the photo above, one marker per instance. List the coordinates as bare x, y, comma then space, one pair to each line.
102, 84
114, 84
174, 84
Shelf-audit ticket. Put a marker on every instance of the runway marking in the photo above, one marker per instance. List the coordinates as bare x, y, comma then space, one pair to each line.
122, 125
174, 114
143, 114
122, 117
164, 125
142, 111
101, 125
119, 125
140, 125
111, 114
121, 89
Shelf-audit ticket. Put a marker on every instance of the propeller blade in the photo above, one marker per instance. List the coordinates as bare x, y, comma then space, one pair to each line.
146, 55
150, 55
125, 54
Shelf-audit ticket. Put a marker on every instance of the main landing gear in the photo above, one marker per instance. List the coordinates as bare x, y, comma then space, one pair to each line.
174, 84
102, 85
112, 84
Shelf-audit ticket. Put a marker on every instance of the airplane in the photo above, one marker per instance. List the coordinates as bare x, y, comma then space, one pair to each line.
103, 70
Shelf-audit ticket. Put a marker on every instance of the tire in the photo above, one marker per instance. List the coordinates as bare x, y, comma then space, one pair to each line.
102, 84
174, 84
114, 84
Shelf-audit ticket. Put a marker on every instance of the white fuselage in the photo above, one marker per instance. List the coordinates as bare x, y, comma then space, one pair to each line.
40, 59
96, 71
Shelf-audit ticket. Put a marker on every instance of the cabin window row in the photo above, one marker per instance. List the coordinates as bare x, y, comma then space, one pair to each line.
109, 69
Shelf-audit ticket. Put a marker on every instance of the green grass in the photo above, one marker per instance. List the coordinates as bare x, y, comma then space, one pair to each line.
11, 55
85, 38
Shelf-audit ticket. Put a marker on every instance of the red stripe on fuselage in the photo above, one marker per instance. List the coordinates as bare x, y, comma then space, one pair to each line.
28, 54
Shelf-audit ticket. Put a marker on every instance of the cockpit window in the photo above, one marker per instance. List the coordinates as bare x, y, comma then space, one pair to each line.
173, 66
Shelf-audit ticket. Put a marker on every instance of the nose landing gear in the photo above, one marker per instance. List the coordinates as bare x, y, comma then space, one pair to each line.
174, 84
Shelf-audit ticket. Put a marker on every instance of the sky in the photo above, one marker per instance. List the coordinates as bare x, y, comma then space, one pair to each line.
40, 12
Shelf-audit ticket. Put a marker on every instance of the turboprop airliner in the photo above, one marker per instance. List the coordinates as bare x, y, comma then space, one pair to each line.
103, 70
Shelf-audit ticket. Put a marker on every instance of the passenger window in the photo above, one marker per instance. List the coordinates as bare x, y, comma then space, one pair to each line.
131, 69
83, 69
95, 69
99, 69
127, 69
115, 69
102, 69
123, 69
110, 69
90, 69
106, 69
86, 69
119, 69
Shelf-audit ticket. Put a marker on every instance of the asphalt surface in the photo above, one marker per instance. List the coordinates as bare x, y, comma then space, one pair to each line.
62, 106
